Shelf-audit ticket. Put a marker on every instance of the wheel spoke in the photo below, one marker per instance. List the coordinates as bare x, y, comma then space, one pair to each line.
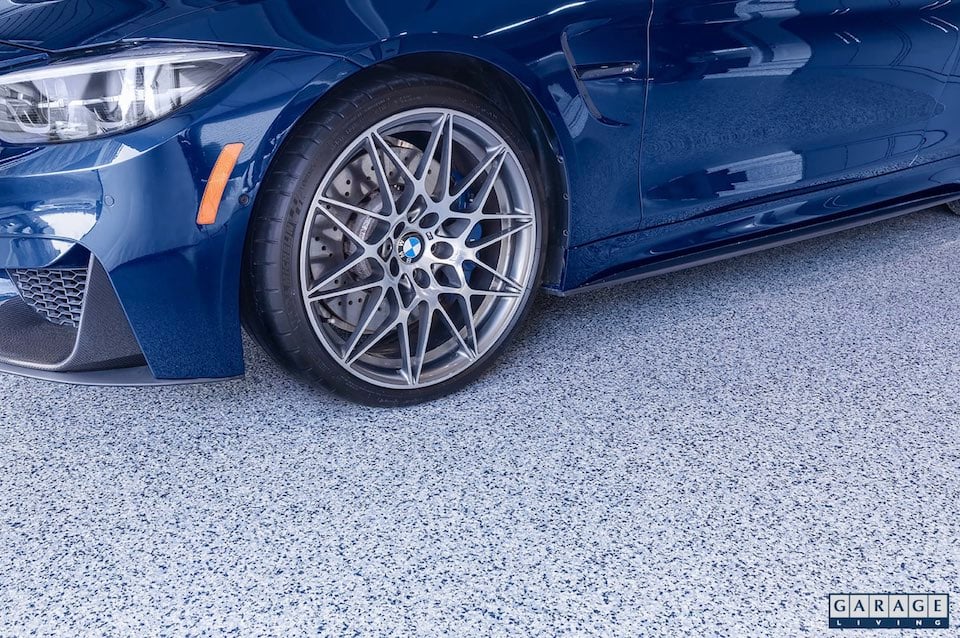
446, 160
388, 202
499, 294
336, 274
332, 203
343, 292
469, 322
447, 319
406, 356
423, 340
492, 164
437, 134
346, 230
370, 308
499, 217
499, 237
377, 337
498, 275
400, 165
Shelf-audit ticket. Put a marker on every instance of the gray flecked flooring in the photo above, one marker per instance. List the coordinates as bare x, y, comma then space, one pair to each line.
707, 453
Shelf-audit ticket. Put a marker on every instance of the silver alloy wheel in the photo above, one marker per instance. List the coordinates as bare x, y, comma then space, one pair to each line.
420, 248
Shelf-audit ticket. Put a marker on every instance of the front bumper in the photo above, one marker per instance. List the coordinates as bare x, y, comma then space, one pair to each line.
161, 297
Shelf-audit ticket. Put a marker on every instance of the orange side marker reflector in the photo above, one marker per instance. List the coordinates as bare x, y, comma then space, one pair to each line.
219, 177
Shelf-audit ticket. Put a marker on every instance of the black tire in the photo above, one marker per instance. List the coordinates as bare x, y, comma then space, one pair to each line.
954, 207
274, 312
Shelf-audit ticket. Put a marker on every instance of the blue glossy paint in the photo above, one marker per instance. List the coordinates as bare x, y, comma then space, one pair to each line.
750, 98
681, 128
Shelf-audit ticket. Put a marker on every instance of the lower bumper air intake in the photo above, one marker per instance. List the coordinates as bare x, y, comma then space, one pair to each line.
66, 320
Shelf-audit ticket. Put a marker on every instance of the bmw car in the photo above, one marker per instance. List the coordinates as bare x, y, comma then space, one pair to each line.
377, 190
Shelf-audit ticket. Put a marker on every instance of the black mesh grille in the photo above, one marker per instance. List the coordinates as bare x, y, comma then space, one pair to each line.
57, 294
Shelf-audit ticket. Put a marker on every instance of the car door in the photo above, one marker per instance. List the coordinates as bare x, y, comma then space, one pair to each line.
750, 99
942, 140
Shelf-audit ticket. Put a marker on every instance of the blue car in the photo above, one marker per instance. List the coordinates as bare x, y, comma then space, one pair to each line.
377, 189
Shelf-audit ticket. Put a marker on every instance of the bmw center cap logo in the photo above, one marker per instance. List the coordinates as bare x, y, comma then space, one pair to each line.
410, 248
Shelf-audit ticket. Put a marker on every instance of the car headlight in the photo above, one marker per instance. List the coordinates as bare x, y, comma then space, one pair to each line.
107, 94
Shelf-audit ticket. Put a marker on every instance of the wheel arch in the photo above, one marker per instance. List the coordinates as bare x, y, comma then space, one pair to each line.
303, 337
518, 98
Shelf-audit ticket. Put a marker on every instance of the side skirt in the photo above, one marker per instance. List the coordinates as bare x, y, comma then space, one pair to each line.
775, 239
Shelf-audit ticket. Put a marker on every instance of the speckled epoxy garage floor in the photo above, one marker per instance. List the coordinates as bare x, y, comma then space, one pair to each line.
707, 453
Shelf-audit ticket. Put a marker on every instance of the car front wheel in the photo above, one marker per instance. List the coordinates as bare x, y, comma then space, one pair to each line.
397, 243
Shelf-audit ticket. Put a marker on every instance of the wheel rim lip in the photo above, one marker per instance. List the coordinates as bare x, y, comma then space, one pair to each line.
508, 307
